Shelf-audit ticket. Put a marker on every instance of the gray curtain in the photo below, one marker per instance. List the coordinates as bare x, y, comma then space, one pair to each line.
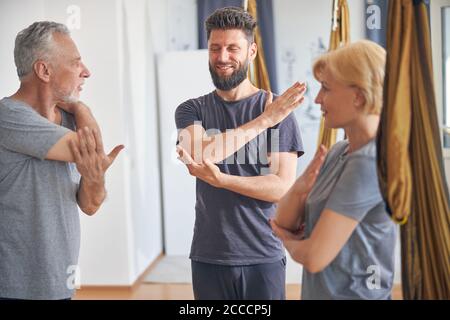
265, 23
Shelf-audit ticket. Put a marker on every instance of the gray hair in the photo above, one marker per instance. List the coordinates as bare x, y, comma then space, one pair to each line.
35, 42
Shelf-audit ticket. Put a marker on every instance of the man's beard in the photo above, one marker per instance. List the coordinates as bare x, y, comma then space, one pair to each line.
71, 97
227, 83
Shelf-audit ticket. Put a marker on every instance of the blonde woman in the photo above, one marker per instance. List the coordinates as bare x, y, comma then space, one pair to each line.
333, 220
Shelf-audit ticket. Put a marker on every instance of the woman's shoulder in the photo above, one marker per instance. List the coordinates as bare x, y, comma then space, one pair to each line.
339, 151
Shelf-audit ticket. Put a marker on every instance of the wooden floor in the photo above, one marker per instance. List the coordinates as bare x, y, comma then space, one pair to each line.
149, 291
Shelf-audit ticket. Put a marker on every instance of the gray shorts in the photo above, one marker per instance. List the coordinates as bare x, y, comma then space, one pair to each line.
254, 282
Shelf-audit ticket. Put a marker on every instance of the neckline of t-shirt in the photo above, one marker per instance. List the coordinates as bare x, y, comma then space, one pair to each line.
237, 101
32, 109
357, 151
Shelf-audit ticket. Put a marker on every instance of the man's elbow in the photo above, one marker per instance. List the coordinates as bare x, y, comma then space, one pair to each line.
90, 210
89, 201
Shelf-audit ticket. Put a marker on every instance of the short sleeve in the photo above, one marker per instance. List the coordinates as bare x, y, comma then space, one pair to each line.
357, 191
24, 131
186, 115
285, 137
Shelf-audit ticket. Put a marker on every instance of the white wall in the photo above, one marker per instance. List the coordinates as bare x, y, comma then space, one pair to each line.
8, 30
140, 109
124, 237
173, 24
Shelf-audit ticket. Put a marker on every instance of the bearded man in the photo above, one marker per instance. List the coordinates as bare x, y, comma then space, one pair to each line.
243, 150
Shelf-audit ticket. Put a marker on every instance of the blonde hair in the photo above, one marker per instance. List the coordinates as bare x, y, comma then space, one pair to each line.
360, 64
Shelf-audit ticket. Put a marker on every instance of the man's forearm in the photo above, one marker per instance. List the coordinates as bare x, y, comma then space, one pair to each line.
91, 196
268, 188
220, 146
84, 117
82, 114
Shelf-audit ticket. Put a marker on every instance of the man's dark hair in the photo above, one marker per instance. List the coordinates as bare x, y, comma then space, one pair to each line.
231, 18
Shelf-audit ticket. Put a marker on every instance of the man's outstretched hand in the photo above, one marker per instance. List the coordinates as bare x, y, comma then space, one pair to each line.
90, 157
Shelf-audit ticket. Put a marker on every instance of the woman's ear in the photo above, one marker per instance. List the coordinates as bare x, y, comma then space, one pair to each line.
359, 99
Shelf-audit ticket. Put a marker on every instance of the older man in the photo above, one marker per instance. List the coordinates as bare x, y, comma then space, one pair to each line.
39, 186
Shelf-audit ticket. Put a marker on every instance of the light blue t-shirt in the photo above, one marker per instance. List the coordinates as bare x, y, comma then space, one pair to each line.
364, 268
39, 220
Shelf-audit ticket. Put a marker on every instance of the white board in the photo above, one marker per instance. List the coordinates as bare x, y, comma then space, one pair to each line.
181, 75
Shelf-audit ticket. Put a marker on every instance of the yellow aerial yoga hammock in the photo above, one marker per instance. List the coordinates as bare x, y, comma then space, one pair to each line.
410, 163
258, 75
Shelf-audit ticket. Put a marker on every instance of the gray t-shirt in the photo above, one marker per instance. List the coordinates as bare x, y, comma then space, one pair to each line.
230, 228
39, 220
364, 268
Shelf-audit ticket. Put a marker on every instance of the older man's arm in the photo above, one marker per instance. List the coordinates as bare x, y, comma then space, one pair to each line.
85, 148
82, 114
92, 164
84, 118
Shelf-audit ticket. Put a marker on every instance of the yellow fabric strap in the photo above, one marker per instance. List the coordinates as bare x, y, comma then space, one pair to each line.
258, 73
340, 35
